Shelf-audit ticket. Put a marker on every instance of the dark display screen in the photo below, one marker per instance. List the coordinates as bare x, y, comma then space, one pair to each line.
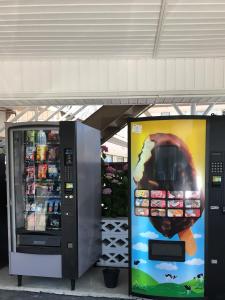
167, 250
166, 158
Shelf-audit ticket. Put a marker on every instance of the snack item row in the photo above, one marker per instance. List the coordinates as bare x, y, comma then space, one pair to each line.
190, 203
50, 205
42, 189
42, 152
171, 213
40, 221
162, 194
44, 171
41, 136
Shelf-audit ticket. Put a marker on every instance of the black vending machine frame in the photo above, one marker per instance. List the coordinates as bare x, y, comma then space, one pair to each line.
69, 205
80, 163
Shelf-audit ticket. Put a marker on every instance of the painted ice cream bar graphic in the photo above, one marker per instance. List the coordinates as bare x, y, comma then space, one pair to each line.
166, 164
168, 201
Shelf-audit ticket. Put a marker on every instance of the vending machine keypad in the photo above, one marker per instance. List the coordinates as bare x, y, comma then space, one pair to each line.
68, 173
217, 167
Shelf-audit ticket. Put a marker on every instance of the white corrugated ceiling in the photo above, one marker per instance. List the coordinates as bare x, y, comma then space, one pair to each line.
156, 28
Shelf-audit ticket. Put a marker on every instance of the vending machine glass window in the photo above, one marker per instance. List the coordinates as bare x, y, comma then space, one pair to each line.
37, 181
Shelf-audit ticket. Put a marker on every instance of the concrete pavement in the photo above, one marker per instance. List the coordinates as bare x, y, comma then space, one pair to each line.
23, 295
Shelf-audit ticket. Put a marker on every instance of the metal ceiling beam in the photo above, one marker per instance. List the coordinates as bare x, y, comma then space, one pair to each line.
147, 113
19, 115
37, 114
15, 118
110, 119
72, 117
67, 113
208, 109
55, 112
193, 109
162, 15
118, 142
178, 110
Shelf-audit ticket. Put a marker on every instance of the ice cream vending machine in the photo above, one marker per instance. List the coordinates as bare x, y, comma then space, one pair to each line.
54, 189
177, 207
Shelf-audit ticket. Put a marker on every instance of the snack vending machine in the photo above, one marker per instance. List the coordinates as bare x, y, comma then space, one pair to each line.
54, 188
177, 207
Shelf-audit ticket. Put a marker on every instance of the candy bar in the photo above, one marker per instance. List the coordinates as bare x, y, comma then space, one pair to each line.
142, 193
158, 203
158, 194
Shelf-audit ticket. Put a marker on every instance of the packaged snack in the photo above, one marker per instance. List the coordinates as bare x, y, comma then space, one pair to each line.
30, 173
192, 213
41, 137
158, 203
30, 221
40, 222
30, 206
42, 171
142, 202
139, 211
52, 171
50, 205
30, 188
53, 153
175, 213
142, 193
54, 189
54, 221
53, 136
41, 152
158, 194
30, 153
192, 203
30, 136
192, 194
40, 207
175, 204
42, 190
158, 212
175, 194
57, 206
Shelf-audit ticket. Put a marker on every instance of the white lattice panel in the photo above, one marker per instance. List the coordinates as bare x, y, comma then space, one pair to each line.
114, 243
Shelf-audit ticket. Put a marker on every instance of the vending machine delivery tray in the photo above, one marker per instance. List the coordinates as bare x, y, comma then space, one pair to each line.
38, 240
